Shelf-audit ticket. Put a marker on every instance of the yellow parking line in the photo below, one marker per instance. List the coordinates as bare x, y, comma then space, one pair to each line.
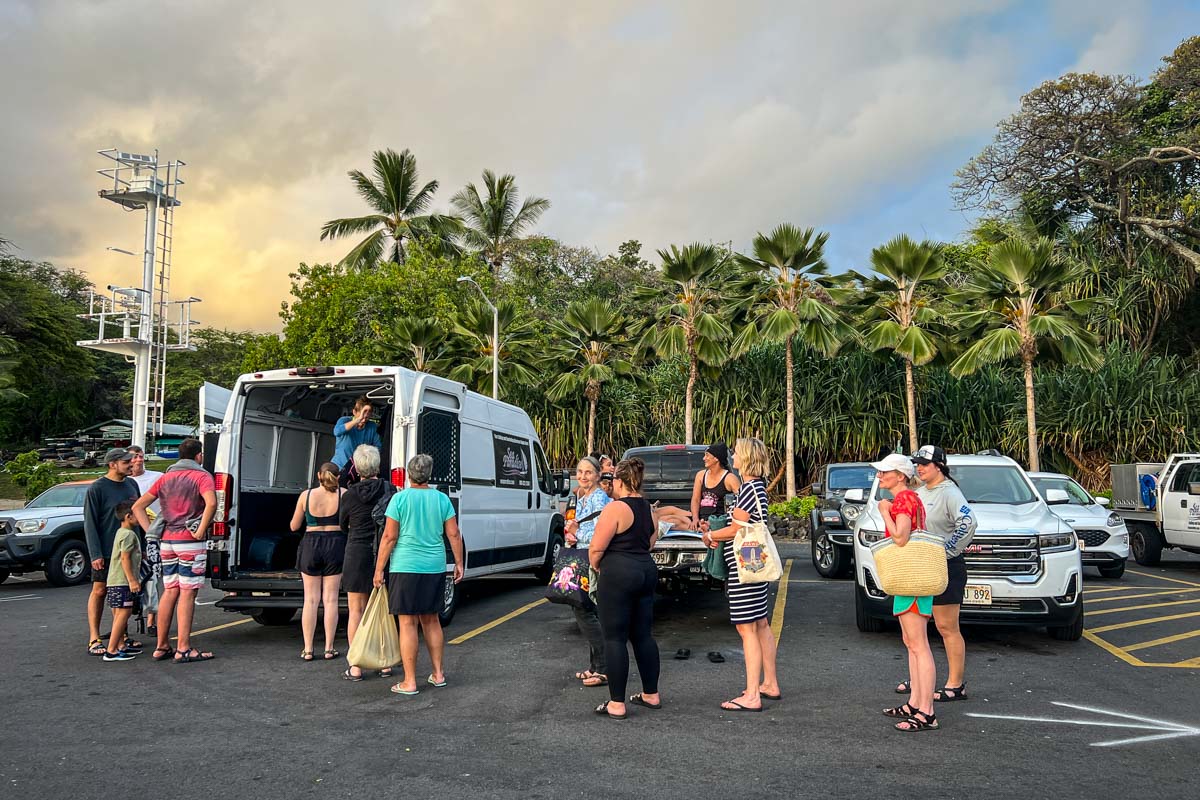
1139, 608
1112, 589
220, 627
1138, 622
1191, 662
1112, 648
1163, 578
498, 621
1179, 637
1146, 594
780, 602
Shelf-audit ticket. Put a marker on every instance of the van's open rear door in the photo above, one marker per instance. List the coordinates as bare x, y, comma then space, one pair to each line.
213, 402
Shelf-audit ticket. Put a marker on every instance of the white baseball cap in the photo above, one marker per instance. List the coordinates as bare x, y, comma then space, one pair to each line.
897, 462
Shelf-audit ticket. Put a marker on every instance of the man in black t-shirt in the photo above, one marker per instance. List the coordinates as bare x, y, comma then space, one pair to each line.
100, 526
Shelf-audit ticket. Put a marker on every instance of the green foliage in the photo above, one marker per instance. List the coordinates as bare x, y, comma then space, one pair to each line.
31, 473
793, 508
493, 224
217, 359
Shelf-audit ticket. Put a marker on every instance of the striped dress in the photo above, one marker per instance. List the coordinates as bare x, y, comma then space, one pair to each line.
747, 602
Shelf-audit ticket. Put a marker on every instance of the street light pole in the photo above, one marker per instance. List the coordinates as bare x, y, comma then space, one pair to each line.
495, 335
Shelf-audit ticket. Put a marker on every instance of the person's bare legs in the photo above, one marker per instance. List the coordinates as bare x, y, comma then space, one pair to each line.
408, 652
185, 611
946, 618
356, 602
754, 664
95, 608
329, 601
766, 642
308, 612
166, 614
117, 637
435, 642
924, 674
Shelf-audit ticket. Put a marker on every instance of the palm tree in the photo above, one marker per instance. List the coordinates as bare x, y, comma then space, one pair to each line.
690, 325
781, 298
417, 343
494, 224
401, 213
1020, 288
475, 344
904, 265
592, 347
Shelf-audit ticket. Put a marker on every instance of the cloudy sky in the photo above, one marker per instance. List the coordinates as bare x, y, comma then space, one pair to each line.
658, 121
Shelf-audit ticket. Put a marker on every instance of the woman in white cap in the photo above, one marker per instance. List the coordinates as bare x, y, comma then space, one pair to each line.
902, 515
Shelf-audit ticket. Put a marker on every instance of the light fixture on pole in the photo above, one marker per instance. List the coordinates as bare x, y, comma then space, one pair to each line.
121, 250
495, 335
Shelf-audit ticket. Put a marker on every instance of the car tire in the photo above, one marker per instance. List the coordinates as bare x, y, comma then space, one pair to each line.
1068, 633
862, 617
1114, 571
274, 616
69, 564
449, 600
1146, 544
828, 559
557, 543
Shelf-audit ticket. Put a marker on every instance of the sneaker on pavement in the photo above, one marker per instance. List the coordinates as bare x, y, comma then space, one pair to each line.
120, 655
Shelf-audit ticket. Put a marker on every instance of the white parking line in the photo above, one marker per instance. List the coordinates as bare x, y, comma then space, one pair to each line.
20, 597
1172, 730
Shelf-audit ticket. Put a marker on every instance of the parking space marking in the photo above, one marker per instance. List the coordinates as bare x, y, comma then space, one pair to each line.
780, 602
1137, 622
1139, 608
20, 597
1110, 589
1179, 637
219, 627
498, 621
1155, 593
1162, 578
1171, 730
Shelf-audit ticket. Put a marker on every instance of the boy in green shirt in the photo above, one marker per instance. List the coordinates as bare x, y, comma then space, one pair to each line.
123, 583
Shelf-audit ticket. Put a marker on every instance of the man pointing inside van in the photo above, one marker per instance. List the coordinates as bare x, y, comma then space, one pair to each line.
350, 432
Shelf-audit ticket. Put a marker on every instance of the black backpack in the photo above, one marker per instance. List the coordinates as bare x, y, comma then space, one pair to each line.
379, 510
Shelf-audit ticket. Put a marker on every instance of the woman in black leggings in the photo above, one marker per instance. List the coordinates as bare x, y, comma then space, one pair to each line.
620, 554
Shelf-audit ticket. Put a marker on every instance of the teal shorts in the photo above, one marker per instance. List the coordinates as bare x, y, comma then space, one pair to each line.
903, 604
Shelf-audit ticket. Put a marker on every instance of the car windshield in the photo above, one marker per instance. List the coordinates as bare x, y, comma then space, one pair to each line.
60, 497
842, 478
985, 484
1074, 491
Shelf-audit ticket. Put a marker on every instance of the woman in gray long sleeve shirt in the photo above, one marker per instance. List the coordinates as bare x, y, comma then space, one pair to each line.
947, 515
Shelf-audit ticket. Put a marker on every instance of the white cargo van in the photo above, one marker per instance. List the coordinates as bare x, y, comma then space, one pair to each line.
278, 428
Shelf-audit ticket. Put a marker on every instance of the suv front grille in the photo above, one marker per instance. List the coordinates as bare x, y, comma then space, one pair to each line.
998, 556
1092, 538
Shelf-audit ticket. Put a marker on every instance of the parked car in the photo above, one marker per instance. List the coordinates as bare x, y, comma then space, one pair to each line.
832, 521
1023, 565
47, 534
1160, 504
1103, 538
279, 426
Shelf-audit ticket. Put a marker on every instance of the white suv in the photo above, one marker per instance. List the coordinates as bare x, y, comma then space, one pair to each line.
1103, 538
1023, 566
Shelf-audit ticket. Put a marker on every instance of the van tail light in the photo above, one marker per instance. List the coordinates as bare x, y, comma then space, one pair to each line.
224, 485
398, 477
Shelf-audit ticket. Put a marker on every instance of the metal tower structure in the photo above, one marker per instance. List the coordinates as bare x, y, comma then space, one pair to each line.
148, 324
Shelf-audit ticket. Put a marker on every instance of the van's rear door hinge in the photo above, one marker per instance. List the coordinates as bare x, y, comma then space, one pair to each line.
405, 422
214, 427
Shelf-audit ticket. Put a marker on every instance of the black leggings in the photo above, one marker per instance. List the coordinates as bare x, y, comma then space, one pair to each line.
626, 608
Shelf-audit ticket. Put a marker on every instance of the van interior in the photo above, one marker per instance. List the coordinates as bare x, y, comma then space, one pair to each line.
287, 433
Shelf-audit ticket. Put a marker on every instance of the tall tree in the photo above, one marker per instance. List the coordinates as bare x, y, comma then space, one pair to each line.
1021, 313
475, 345
493, 224
781, 299
591, 346
690, 325
900, 312
418, 343
401, 215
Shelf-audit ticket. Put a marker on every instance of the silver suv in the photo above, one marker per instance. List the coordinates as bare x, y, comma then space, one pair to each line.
47, 534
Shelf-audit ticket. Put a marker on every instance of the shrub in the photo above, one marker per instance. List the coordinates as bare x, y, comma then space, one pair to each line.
30, 472
796, 508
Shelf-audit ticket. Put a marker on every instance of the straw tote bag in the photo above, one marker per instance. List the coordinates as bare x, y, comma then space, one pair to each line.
754, 551
916, 570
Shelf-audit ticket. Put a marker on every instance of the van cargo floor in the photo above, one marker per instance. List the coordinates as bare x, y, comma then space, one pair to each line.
269, 573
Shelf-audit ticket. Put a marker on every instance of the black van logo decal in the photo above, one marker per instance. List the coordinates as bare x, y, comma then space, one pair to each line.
513, 462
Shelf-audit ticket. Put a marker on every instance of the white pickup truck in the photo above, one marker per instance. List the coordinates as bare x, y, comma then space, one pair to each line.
1160, 504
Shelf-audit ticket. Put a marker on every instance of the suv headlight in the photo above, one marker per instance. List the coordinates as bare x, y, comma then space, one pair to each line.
867, 538
850, 512
1056, 542
1114, 521
30, 525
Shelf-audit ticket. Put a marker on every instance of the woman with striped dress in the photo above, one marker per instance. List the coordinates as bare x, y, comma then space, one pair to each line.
748, 601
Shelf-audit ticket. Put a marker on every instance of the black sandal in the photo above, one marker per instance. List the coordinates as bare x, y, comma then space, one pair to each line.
918, 722
951, 694
350, 676
329, 654
904, 688
639, 700
905, 711
602, 710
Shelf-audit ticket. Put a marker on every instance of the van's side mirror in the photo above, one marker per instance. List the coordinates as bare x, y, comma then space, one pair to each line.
855, 496
562, 482
818, 488
1057, 497
1104, 501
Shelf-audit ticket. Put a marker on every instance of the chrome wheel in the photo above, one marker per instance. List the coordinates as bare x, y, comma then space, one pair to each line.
824, 551
73, 564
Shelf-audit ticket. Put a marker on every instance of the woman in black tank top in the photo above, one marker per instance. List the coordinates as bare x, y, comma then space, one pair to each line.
712, 484
620, 554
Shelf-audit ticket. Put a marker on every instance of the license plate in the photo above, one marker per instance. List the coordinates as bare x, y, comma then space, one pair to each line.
976, 595
661, 558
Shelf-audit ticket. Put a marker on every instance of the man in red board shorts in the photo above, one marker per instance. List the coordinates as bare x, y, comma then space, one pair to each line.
188, 498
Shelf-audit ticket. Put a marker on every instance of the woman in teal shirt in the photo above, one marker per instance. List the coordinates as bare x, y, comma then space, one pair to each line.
414, 557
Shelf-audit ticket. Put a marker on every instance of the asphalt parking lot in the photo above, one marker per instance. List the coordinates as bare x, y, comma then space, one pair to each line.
1118, 712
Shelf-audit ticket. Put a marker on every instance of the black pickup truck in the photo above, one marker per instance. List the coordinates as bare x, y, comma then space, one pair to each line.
833, 519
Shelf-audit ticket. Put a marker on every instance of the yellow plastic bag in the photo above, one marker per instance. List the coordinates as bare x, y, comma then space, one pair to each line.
377, 641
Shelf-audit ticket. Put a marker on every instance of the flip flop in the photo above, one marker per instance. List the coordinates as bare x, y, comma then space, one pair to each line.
638, 700
771, 696
737, 706
600, 680
432, 682
397, 690
683, 654
716, 657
